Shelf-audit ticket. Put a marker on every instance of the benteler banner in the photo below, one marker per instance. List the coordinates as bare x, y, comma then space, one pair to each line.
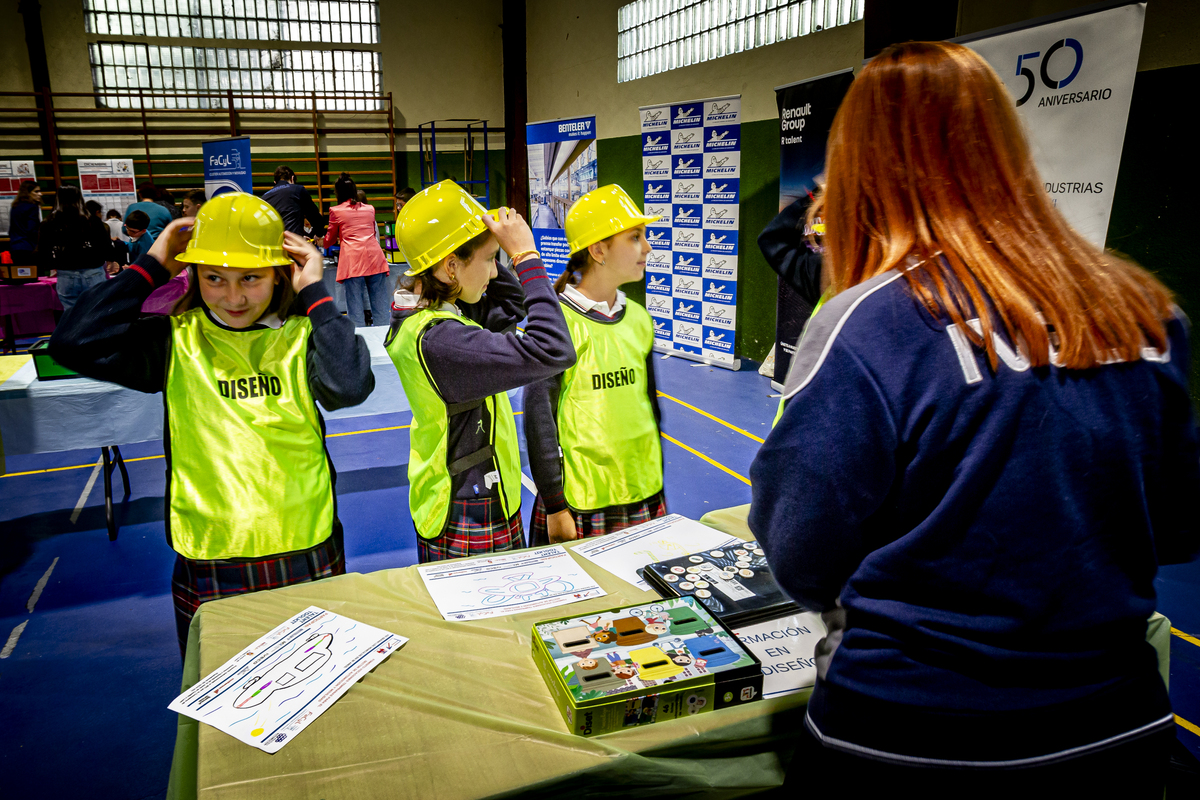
691, 168
1072, 80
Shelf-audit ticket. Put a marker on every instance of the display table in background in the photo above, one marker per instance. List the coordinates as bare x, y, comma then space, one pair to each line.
27, 309
460, 712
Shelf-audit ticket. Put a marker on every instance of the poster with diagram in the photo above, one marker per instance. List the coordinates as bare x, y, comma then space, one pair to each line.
12, 175
625, 552
108, 181
278, 686
691, 173
498, 586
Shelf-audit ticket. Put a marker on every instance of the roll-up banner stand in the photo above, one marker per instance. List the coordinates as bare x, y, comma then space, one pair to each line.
108, 181
227, 166
562, 168
806, 111
12, 175
1071, 76
691, 168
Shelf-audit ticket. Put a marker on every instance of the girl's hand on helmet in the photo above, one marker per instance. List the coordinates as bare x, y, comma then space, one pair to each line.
511, 231
308, 266
171, 242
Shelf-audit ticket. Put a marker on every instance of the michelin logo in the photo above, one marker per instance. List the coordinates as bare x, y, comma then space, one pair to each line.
658, 307
686, 241
659, 261
687, 312
656, 167
687, 141
717, 165
718, 316
687, 265
657, 192
722, 216
719, 191
722, 139
655, 119
659, 239
720, 267
658, 285
687, 117
687, 288
721, 111
686, 167
687, 192
688, 334
662, 329
687, 216
721, 244
654, 144
719, 292
719, 341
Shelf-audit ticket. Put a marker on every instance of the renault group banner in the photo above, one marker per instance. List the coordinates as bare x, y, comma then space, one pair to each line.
691, 168
1072, 80
806, 112
227, 166
562, 168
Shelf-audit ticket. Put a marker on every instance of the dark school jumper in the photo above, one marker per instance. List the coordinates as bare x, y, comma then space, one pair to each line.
608, 459
250, 501
456, 364
985, 541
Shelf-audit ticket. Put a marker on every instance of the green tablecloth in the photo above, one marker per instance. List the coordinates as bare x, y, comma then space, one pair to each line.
461, 711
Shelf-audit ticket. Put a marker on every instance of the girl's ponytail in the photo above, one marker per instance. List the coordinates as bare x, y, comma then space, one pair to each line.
576, 266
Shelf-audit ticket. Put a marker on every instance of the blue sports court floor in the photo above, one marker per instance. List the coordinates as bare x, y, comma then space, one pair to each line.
94, 662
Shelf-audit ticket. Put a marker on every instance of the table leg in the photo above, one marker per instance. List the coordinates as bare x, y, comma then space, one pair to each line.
121, 463
108, 504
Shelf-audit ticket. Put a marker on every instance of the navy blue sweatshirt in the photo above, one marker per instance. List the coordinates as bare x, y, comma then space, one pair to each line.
993, 537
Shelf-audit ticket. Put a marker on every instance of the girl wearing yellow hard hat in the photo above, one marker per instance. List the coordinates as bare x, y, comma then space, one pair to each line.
458, 354
593, 431
249, 351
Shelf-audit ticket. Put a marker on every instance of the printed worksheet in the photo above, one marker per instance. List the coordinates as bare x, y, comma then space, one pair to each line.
625, 552
279, 685
498, 586
785, 647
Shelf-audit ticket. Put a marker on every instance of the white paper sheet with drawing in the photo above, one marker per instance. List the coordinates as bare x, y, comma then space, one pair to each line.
279, 685
785, 647
624, 553
507, 584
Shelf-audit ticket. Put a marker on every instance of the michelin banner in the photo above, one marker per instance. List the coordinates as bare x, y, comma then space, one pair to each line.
562, 168
806, 111
227, 166
691, 168
1072, 80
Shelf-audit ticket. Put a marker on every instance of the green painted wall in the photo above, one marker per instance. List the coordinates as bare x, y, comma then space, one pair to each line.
620, 161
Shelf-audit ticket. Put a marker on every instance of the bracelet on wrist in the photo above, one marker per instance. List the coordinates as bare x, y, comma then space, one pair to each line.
518, 257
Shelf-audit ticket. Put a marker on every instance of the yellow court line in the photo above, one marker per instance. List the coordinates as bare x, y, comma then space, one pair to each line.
149, 458
700, 455
702, 412
1186, 637
1190, 726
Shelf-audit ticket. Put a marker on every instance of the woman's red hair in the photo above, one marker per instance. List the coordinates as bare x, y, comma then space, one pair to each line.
927, 159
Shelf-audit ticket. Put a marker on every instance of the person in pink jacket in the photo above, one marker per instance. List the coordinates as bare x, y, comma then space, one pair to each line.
362, 268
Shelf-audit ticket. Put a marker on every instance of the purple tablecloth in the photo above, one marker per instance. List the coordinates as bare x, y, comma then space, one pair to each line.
32, 305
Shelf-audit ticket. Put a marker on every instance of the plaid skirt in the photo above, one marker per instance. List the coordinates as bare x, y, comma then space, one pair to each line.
475, 527
598, 523
196, 582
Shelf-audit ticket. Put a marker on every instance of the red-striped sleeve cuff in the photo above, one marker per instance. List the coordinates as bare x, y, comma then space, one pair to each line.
530, 269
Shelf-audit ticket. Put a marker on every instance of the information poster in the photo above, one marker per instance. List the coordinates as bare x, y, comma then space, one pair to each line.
1072, 81
562, 168
691, 168
12, 173
108, 181
227, 166
785, 647
806, 112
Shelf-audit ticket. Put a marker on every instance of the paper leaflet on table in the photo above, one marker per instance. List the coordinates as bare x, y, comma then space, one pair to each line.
507, 584
627, 551
785, 646
275, 688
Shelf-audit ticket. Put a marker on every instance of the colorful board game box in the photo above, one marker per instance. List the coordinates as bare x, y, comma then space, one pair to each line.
734, 583
642, 664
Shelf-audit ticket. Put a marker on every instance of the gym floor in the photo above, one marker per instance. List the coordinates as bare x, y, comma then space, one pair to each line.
90, 659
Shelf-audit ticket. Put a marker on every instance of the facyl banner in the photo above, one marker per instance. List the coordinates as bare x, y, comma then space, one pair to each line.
691, 172
227, 166
1072, 80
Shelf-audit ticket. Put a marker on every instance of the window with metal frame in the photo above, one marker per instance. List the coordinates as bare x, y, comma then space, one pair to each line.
329, 21
164, 76
654, 36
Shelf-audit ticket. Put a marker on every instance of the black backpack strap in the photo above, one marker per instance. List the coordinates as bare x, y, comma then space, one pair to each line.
463, 464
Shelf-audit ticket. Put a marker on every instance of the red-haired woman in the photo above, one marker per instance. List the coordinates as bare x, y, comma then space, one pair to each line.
986, 451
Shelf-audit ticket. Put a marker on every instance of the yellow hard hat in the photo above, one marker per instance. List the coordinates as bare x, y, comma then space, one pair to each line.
601, 213
238, 230
436, 222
